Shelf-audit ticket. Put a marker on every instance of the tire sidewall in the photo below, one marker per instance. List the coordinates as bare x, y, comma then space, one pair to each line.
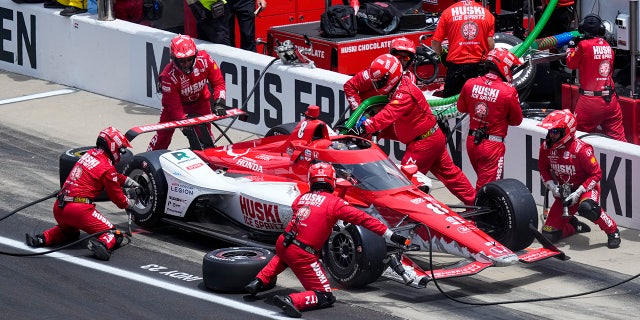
146, 170
230, 269
515, 209
365, 267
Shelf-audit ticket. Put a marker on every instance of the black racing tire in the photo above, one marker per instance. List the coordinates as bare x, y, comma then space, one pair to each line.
354, 257
230, 269
69, 158
146, 170
523, 80
513, 209
282, 129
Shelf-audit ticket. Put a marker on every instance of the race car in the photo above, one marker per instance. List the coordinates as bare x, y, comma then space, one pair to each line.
242, 193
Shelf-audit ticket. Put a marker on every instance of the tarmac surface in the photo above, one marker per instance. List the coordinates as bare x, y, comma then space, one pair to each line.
39, 119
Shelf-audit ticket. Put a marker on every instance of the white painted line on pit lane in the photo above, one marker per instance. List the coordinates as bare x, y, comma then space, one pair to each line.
207, 296
37, 96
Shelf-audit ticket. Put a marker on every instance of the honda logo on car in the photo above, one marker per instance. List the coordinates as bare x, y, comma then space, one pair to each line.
184, 189
249, 164
261, 215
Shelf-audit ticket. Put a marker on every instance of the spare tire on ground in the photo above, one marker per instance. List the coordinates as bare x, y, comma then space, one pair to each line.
230, 269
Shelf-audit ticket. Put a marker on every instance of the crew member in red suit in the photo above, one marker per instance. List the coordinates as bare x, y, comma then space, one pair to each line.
360, 87
408, 118
571, 172
74, 209
469, 27
493, 105
597, 103
185, 89
315, 214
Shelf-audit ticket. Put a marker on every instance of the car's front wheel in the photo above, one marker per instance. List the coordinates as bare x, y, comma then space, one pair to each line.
353, 256
512, 209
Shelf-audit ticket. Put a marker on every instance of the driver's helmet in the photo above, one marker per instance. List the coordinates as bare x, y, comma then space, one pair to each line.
114, 142
403, 49
385, 72
502, 61
322, 176
562, 122
183, 53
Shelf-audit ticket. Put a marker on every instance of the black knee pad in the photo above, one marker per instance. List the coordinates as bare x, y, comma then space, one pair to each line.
553, 236
325, 299
589, 209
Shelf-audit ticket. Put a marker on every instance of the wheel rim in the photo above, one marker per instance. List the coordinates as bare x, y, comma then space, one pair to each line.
143, 206
342, 252
239, 253
495, 223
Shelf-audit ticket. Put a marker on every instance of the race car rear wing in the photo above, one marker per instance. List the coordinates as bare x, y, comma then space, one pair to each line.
189, 122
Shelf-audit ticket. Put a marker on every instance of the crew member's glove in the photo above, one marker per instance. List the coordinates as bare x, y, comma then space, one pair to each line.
131, 193
553, 187
400, 239
219, 107
132, 203
130, 183
573, 42
574, 197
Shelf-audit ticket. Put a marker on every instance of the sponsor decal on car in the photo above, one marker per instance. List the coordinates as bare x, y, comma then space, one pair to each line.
261, 215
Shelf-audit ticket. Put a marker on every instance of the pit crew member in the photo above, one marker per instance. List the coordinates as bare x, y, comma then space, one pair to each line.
493, 105
184, 87
597, 104
469, 27
360, 87
408, 118
74, 209
569, 169
315, 214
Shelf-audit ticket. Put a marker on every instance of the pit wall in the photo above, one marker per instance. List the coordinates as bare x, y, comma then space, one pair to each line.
122, 60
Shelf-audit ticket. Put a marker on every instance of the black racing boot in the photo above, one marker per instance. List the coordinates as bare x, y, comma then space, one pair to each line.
35, 241
254, 286
99, 250
613, 239
580, 227
287, 306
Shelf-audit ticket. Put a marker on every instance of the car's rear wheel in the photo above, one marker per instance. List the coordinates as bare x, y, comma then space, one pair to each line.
282, 129
512, 210
69, 158
230, 269
146, 170
354, 256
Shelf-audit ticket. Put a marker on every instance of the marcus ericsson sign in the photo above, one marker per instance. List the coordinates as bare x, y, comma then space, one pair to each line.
123, 60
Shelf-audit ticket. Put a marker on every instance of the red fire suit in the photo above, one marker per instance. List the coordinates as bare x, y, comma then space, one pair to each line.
469, 27
92, 173
408, 118
493, 105
573, 163
360, 88
184, 94
316, 213
594, 60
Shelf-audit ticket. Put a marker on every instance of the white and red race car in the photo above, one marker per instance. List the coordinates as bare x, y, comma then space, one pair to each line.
242, 193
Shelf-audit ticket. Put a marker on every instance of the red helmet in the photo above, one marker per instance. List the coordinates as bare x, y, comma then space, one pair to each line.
113, 141
564, 123
322, 176
403, 49
501, 60
385, 72
183, 53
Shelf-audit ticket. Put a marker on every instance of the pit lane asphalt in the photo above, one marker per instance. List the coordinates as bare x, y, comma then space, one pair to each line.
71, 285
